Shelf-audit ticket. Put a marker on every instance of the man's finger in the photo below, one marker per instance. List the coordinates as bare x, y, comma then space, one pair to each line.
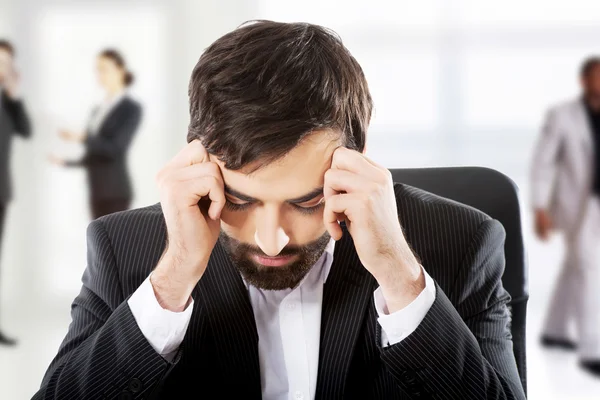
340, 180
196, 171
334, 211
353, 161
373, 163
193, 153
206, 186
206, 180
217, 199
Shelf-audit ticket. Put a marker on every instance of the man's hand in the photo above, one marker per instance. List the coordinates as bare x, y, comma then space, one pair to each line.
543, 224
192, 228
360, 192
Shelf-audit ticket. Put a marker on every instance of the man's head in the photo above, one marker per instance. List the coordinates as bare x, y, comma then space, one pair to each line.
7, 53
590, 77
271, 102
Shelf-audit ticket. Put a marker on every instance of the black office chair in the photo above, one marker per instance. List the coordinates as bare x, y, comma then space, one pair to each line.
496, 195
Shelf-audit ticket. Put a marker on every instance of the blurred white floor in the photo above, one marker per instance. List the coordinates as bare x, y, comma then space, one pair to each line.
552, 375
40, 324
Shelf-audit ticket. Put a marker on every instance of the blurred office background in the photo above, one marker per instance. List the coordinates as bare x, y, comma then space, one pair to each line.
455, 82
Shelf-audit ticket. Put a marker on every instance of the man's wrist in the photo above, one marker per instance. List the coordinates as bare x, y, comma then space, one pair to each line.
170, 295
402, 285
172, 285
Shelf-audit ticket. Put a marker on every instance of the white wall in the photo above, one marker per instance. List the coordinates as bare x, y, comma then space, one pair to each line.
58, 42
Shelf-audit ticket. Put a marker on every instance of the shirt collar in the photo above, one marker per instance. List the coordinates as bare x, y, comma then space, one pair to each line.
115, 99
329, 259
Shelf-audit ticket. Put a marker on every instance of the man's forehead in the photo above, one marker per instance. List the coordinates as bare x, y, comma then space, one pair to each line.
313, 153
274, 171
298, 173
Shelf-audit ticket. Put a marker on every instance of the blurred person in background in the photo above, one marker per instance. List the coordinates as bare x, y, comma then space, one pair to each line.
276, 266
13, 121
566, 196
107, 138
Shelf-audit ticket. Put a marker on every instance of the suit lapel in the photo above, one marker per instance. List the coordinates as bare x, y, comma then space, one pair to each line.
224, 296
112, 113
346, 295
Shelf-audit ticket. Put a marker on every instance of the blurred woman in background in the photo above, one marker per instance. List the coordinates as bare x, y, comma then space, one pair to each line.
107, 138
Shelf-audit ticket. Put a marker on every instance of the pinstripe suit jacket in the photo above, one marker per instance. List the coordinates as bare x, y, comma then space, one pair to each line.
461, 350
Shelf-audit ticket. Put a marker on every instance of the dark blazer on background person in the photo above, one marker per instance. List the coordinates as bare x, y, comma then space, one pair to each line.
13, 121
461, 350
105, 158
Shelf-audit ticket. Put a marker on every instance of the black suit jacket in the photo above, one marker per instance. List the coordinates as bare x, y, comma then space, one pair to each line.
461, 350
105, 156
13, 121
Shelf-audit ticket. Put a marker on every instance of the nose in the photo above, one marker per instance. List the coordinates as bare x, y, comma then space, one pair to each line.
270, 235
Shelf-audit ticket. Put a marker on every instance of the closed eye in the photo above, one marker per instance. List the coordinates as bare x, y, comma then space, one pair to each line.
236, 206
310, 207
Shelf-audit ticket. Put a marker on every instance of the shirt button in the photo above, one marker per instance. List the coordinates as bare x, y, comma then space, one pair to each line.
291, 307
298, 395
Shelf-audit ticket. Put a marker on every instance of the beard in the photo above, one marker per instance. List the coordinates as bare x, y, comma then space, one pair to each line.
274, 278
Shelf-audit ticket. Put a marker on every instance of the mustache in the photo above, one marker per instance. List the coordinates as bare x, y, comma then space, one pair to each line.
290, 250
255, 250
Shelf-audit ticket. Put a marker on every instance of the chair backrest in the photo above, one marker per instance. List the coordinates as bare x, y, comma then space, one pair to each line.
496, 195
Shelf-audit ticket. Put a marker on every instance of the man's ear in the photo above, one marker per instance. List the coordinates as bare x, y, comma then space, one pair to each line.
365, 149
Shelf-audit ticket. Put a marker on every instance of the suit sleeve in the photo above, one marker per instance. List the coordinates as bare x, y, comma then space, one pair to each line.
18, 114
545, 157
115, 143
104, 353
463, 348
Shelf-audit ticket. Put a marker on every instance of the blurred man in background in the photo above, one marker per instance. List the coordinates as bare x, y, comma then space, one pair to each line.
566, 197
13, 120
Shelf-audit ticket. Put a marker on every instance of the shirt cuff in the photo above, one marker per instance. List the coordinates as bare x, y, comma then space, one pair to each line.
400, 324
163, 329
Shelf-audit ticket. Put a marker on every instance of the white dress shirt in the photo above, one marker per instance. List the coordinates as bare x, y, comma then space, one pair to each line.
100, 112
288, 324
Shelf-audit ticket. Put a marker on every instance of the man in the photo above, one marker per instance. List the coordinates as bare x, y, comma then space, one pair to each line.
13, 120
565, 189
275, 266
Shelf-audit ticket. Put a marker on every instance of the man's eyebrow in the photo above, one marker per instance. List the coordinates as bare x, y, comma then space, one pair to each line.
307, 197
238, 195
304, 198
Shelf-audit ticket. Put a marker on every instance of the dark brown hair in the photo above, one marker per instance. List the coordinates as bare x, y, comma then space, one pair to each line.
258, 91
118, 59
588, 65
6, 45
